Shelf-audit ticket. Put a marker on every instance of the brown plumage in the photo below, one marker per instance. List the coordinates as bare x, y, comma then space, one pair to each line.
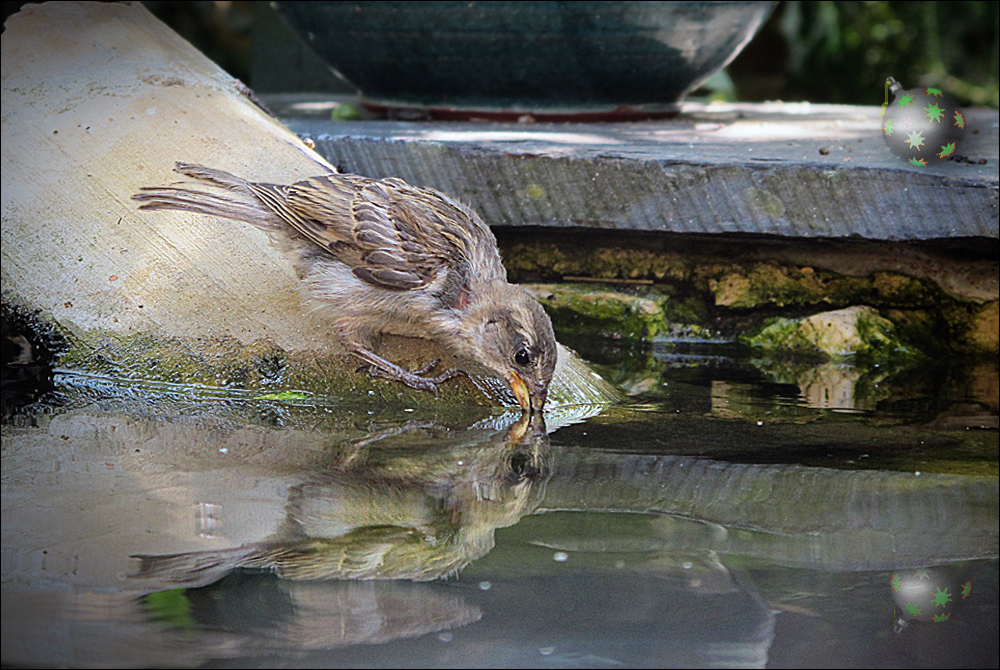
387, 257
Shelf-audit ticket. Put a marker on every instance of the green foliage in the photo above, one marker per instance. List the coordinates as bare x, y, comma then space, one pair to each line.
171, 607
841, 52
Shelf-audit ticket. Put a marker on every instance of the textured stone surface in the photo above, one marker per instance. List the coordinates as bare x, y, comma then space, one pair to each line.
799, 170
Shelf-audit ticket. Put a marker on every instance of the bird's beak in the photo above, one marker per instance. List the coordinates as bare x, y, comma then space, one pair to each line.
529, 396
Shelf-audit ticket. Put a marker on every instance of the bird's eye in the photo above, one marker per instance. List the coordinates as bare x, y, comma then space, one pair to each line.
522, 357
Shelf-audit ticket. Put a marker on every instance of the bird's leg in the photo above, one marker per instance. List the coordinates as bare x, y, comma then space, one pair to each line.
379, 367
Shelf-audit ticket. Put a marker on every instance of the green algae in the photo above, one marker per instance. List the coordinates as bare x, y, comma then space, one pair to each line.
637, 314
857, 333
700, 293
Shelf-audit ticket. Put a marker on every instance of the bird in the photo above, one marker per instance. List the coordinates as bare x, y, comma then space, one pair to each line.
382, 256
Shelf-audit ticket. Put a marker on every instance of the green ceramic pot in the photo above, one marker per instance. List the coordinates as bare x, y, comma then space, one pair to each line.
550, 60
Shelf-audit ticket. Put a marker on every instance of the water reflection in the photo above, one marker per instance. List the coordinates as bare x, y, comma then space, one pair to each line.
954, 394
211, 528
833, 385
243, 616
414, 501
167, 526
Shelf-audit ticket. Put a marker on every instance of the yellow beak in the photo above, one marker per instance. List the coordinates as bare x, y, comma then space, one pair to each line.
529, 397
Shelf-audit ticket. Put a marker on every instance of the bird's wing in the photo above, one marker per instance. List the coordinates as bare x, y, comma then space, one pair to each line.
391, 234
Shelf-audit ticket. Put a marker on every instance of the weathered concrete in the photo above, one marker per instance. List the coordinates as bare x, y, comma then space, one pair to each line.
102, 99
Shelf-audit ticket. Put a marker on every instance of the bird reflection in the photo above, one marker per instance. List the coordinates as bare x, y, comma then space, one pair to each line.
415, 502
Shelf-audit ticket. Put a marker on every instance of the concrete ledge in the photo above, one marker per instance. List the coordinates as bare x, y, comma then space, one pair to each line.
794, 170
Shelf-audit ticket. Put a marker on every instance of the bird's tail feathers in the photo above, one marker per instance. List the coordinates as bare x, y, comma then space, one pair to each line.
231, 199
217, 177
235, 202
200, 202
191, 569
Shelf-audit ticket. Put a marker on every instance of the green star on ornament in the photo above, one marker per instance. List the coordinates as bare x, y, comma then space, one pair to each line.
941, 598
938, 618
947, 150
915, 140
905, 100
922, 574
959, 120
966, 590
936, 92
888, 127
918, 161
896, 583
934, 113
913, 610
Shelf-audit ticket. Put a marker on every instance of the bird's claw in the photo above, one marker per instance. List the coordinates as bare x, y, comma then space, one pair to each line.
415, 379
427, 368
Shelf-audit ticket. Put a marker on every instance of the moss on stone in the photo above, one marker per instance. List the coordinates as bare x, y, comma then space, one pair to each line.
616, 314
699, 288
856, 333
261, 365
539, 260
752, 286
983, 329
582, 309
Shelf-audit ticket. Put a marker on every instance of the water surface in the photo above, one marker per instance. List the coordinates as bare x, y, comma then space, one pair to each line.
731, 513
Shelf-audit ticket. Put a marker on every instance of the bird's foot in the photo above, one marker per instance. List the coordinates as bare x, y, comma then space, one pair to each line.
377, 366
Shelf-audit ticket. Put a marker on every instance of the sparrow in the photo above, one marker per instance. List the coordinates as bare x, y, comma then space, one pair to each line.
382, 256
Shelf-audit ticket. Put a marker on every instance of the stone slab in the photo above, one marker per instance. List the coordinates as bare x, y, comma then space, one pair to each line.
794, 170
